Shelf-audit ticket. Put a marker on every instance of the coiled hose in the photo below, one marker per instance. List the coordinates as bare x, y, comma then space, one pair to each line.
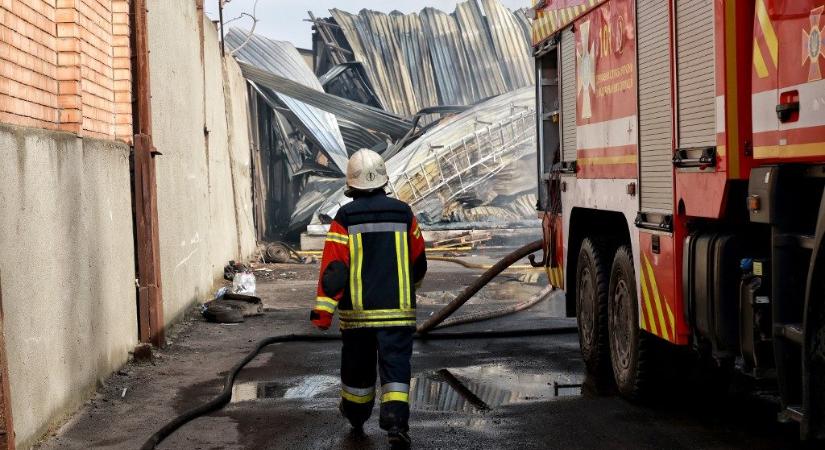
423, 333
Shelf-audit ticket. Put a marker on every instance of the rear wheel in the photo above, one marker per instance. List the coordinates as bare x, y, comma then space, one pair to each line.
591, 308
630, 347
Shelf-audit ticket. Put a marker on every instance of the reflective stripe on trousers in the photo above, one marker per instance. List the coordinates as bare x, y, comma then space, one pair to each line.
357, 395
395, 392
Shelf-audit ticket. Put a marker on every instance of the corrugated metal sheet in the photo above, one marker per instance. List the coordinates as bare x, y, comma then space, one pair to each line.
655, 152
433, 58
357, 137
282, 59
461, 155
512, 51
695, 73
568, 95
366, 116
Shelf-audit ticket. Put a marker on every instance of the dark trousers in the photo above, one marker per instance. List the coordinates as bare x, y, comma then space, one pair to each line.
392, 347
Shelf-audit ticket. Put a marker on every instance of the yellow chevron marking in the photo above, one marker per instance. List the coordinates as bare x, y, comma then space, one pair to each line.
657, 299
768, 31
759, 61
672, 321
648, 307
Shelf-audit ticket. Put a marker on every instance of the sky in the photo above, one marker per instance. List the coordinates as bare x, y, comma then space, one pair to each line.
284, 19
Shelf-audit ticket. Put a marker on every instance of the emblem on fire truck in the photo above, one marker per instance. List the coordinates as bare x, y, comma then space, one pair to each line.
586, 85
813, 45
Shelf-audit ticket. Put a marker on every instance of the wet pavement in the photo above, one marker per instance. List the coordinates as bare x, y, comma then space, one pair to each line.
515, 393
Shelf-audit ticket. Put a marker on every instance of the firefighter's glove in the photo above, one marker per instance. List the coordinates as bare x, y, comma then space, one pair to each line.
321, 319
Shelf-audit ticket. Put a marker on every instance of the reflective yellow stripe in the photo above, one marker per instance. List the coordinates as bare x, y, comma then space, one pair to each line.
395, 397
326, 300
377, 314
353, 266
405, 261
759, 61
357, 398
337, 240
325, 304
660, 310
356, 255
399, 268
672, 322
360, 249
767, 30
332, 235
648, 307
346, 325
790, 151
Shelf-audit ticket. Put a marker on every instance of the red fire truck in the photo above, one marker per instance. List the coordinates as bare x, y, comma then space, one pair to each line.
681, 153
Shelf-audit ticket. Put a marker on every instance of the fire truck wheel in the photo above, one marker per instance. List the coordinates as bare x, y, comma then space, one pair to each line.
629, 346
591, 308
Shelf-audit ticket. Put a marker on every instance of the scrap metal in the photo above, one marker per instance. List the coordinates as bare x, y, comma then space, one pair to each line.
459, 156
433, 58
361, 114
282, 59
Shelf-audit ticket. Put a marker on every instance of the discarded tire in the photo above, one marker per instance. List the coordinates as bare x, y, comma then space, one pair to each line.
277, 253
222, 313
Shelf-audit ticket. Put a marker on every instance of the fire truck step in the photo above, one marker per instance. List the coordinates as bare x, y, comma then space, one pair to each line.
792, 332
793, 412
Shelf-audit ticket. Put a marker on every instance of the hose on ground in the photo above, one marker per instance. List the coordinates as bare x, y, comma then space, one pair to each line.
476, 286
470, 265
487, 315
422, 334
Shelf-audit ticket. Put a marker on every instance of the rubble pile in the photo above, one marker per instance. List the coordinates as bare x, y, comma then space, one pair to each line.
447, 99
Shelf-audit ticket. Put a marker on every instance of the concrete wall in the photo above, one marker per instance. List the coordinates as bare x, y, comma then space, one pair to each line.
66, 262
241, 158
204, 192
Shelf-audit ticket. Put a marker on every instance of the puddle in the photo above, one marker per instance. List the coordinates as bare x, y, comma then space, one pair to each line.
463, 389
303, 388
479, 388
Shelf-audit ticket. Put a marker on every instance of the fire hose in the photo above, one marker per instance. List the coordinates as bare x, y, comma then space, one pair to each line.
437, 320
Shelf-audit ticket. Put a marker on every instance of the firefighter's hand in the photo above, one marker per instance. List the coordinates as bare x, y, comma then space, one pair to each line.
321, 319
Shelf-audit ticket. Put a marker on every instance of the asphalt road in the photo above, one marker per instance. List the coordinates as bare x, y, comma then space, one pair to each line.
490, 394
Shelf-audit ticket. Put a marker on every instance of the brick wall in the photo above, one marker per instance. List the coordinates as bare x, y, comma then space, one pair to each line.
65, 65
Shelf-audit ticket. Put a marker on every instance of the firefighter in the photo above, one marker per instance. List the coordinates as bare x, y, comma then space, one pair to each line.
373, 261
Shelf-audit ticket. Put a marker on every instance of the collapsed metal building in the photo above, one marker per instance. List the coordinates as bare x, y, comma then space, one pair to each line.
447, 99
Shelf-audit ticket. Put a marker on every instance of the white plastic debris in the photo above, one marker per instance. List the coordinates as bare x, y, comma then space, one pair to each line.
243, 283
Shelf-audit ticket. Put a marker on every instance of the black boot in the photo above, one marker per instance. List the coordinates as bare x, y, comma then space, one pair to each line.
357, 427
399, 440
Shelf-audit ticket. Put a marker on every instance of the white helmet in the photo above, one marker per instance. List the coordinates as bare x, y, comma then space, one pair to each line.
366, 171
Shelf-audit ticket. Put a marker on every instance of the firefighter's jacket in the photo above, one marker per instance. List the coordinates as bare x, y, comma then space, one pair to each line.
373, 258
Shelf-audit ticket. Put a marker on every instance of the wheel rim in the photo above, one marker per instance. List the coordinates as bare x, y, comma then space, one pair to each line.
622, 320
587, 300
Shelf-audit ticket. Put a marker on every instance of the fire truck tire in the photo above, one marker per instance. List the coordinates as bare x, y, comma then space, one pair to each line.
630, 347
592, 279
